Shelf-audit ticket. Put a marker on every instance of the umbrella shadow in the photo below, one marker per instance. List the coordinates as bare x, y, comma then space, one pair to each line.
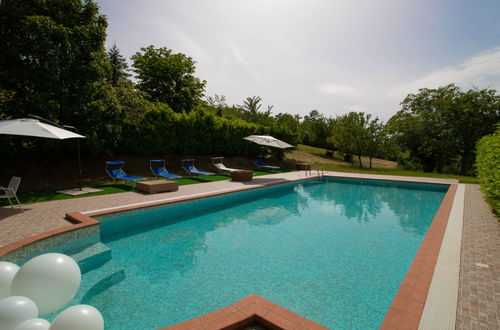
6, 212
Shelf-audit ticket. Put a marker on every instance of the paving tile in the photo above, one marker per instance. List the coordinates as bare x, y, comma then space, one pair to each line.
295, 318
248, 310
405, 291
225, 321
279, 321
218, 314
400, 302
264, 303
415, 308
478, 285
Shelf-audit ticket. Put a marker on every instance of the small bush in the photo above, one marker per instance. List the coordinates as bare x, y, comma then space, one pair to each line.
488, 168
407, 163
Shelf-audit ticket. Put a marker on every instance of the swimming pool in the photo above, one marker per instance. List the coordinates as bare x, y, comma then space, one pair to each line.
333, 250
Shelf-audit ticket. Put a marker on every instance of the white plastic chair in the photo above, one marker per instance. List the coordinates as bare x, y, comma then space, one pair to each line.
11, 190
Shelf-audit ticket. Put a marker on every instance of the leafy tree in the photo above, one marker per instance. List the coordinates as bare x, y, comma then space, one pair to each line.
287, 127
53, 64
168, 77
52, 58
217, 101
252, 104
133, 103
439, 126
118, 67
355, 134
376, 139
316, 129
477, 115
251, 113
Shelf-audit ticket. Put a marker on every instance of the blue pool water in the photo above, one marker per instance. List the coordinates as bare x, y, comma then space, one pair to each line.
332, 250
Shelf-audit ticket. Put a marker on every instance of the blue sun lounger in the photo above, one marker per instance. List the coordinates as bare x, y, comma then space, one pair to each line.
158, 168
259, 162
118, 173
188, 166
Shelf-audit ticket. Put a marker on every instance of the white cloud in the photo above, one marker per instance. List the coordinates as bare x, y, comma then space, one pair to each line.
237, 53
482, 71
238, 56
332, 89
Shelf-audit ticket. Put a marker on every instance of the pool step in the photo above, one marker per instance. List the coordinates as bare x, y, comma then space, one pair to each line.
99, 279
98, 269
92, 257
93, 280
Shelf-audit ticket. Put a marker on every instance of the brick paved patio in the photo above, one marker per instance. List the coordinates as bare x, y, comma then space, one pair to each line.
479, 288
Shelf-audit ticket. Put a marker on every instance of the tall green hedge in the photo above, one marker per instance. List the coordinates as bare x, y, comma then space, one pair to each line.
163, 131
488, 168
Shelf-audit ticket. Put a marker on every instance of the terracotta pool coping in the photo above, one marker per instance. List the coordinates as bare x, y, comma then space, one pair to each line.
184, 198
249, 310
79, 221
407, 307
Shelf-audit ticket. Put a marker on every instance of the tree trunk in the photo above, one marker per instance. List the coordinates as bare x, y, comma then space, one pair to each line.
371, 162
439, 167
360, 164
428, 165
466, 161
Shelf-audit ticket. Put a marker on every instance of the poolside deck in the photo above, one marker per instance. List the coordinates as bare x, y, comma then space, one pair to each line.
479, 285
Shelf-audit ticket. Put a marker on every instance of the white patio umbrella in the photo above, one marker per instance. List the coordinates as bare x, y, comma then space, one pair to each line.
269, 141
35, 128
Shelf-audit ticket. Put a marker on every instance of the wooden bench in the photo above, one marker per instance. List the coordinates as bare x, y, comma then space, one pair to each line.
241, 175
156, 186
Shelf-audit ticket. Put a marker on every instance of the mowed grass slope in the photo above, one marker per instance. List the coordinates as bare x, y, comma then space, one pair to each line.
316, 156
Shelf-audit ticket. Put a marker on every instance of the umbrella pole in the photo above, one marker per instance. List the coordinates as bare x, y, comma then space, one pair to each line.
79, 165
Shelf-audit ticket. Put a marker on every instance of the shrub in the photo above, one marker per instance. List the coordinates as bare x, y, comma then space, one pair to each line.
488, 168
161, 131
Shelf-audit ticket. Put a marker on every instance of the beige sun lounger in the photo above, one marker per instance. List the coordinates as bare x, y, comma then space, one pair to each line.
221, 167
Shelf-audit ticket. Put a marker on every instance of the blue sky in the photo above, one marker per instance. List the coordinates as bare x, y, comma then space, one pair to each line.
330, 55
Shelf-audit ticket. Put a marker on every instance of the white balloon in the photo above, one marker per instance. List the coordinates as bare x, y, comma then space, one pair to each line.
34, 324
51, 280
15, 310
78, 317
7, 272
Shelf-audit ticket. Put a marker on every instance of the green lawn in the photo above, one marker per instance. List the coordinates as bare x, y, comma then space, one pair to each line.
43, 196
383, 171
319, 152
396, 171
